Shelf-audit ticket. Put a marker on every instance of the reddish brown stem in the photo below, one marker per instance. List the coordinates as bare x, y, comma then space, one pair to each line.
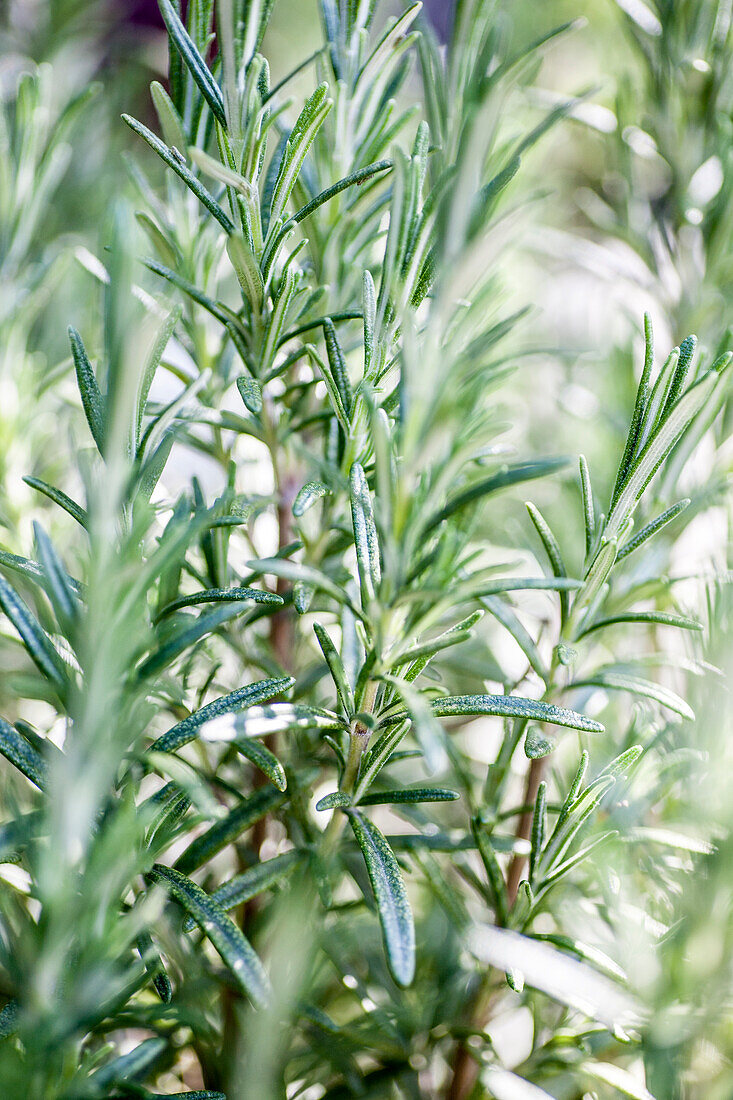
524, 827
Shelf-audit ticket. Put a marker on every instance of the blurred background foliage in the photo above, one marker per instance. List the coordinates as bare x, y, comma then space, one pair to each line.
626, 206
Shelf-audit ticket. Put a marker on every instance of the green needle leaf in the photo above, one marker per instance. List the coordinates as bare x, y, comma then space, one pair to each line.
624, 681
365, 534
311, 492
36, 641
259, 755
180, 168
652, 528
336, 667
337, 364
229, 941
208, 844
511, 706
91, 397
221, 595
395, 915
60, 498
189, 728
409, 795
664, 618
301, 137
255, 881
193, 60
21, 753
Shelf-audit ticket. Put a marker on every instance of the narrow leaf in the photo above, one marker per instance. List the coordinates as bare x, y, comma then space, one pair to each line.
193, 60
91, 397
221, 595
623, 681
223, 832
652, 528
511, 706
365, 534
188, 729
255, 881
180, 168
408, 795
311, 492
338, 672
395, 915
259, 755
60, 498
21, 753
36, 641
664, 618
229, 941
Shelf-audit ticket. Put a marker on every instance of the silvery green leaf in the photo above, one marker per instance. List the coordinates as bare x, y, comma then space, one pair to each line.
60, 498
250, 391
365, 534
652, 528
566, 980
395, 915
222, 595
299, 142
15, 748
229, 941
662, 618
170, 121
91, 397
193, 60
185, 731
659, 446
618, 1078
39, 646
511, 706
247, 269
265, 720
180, 168
616, 680
307, 496
338, 672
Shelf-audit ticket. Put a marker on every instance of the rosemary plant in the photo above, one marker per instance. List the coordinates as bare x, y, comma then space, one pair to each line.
310, 788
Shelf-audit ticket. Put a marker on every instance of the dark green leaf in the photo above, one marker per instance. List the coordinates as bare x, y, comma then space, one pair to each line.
193, 60
395, 915
226, 830
365, 534
259, 755
60, 498
21, 753
188, 729
36, 641
409, 794
229, 941
91, 397
307, 497
255, 881
221, 595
